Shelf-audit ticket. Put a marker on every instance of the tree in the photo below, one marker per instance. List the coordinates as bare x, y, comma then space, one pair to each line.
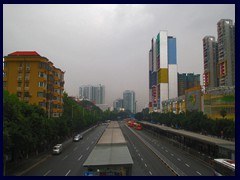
223, 112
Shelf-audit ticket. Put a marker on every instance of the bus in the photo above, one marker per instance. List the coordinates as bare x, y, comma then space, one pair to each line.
224, 167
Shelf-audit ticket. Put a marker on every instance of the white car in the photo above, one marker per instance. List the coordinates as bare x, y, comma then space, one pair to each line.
57, 149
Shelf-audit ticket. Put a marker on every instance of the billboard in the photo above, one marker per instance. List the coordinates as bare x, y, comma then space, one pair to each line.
193, 99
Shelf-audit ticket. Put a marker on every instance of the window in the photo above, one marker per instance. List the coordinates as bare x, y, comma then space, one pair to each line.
19, 94
27, 84
41, 84
26, 94
19, 84
41, 94
4, 74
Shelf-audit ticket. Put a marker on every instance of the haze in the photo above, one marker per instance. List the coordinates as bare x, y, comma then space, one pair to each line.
109, 44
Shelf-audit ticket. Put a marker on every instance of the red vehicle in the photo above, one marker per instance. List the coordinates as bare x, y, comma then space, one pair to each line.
137, 126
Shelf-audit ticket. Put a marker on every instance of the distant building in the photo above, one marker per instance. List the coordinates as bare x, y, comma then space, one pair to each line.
35, 80
95, 94
118, 104
162, 70
129, 102
187, 81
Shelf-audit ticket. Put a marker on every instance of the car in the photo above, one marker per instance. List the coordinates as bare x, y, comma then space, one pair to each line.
57, 149
77, 137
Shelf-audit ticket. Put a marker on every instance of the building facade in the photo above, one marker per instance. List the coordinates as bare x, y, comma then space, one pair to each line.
226, 52
129, 101
210, 62
118, 104
34, 79
187, 81
95, 94
162, 70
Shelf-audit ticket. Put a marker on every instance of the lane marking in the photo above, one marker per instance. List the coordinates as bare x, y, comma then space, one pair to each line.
187, 165
172, 154
145, 165
87, 148
65, 157
79, 158
47, 173
166, 150
178, 159
75, 149
198, 173
142, 159
139, 154
150, 172
92, 142
68, 172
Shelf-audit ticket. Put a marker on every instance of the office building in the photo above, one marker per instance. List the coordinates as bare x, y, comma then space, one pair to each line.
226, 52
162, 70
187, 81
129, 102
35, 80
95, 94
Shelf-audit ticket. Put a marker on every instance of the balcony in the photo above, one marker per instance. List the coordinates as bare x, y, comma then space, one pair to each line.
19, 88
19, 78
19, 69
26, 99
26, 88
27, 78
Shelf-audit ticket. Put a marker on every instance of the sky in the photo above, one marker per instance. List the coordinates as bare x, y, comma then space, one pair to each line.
109, 44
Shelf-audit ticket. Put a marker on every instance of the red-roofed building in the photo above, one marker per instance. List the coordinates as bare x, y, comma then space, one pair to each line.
34, 79
24, 53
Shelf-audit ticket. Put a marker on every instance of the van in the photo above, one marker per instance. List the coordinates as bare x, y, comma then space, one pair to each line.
57, 149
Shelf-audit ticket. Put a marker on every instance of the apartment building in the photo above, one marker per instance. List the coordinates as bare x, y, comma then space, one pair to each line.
35, 80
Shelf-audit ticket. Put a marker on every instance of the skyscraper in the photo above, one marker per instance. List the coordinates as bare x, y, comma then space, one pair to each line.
210, 60
95, 94
129, 102
226, 52
162, 70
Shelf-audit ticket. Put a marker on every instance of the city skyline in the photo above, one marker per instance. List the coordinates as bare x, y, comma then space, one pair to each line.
109, 44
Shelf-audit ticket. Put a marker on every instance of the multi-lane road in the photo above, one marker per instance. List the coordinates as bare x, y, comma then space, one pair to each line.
144, 149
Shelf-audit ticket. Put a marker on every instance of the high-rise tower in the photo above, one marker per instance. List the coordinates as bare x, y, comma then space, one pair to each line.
162, 70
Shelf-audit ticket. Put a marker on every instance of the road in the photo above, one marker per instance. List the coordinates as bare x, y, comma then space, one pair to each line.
146, 162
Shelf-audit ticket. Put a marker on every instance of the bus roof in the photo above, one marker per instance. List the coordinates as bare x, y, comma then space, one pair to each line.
226, 162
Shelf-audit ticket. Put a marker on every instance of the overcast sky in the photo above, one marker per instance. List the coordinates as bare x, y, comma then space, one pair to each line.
109, 44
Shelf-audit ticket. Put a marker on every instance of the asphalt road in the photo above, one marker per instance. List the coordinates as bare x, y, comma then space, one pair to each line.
146, 162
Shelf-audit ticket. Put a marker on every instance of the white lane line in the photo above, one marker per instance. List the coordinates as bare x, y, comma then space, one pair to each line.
178, 159
187, 165
139, 154
68, 172
65, 157
145, 165
150, 172
47, 173
92, 142
87, 148
75, 149
172, 154
79, 158
198, 173
166, 150
142, 159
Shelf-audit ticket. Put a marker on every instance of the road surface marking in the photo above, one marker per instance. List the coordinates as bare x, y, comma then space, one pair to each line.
172, 154
142, 159
80, 157
68, 172
145, 165
198, 173
166, 150
75, 149
65, 157
47, 173
87, 148
178, 159
150, 172
187, 165
92, 142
